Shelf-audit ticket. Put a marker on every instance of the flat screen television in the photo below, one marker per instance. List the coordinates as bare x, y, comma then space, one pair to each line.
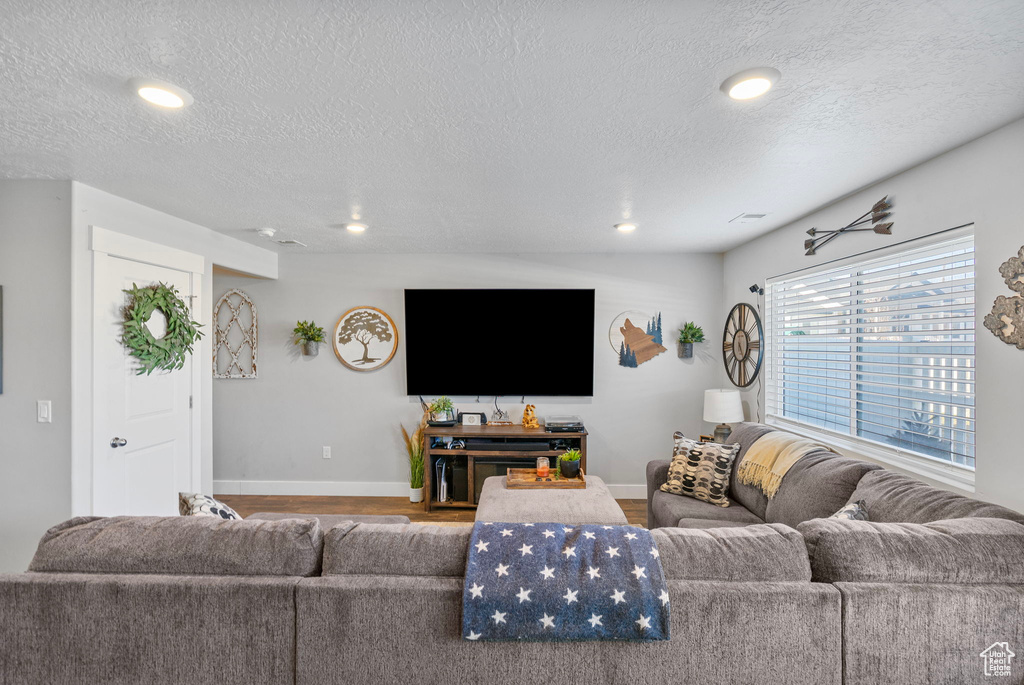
499, 342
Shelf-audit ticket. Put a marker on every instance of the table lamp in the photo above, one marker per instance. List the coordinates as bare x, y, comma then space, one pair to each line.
722, 406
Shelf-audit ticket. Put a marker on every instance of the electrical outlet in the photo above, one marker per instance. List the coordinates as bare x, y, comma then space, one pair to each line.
44, 411
327, 452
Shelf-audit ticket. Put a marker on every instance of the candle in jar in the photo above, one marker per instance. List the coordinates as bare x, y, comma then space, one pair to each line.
543, 467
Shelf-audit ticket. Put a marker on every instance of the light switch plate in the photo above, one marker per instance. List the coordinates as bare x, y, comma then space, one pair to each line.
44, 411
327, 452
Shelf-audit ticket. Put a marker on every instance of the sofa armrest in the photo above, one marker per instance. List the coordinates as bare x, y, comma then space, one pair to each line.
657, 475
968, 550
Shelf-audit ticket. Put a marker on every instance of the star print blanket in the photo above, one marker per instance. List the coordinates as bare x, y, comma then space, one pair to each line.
555, 582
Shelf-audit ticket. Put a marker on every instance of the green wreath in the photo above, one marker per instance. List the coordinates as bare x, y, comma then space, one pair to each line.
169, 352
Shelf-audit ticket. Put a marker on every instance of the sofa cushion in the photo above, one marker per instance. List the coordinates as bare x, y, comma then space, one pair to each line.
669, 508
181, 545
816, 486
327, 520
197, 504
746, 434
895, 498
701, 470
396, 550
854, 511
704, 524
969, 550
754, 553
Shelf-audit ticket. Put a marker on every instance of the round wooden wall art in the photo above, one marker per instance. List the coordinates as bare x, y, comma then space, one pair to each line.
365, 339
633, 344
742, 348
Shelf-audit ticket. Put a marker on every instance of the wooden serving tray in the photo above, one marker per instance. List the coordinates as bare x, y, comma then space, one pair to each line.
526, 479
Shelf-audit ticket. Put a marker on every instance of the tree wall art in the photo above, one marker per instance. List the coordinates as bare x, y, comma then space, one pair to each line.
365, 339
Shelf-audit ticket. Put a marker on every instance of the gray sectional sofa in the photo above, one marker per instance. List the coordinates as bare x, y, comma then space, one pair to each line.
927, 584
176, 600
815, 487
913, 597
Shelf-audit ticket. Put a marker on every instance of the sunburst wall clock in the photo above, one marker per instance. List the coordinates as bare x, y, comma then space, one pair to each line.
742, 347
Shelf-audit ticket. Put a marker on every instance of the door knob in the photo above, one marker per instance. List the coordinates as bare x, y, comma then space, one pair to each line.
118, 442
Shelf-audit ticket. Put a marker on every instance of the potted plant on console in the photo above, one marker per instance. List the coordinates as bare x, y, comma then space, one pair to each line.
569, 464
442, 411
414, 447
309, 335
690, 333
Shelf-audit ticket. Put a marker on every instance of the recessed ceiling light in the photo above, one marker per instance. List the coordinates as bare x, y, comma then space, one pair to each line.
625, 228
355, 228
751, 83
161, 93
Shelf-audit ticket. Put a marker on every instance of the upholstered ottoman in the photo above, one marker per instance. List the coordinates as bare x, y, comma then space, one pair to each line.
593, 504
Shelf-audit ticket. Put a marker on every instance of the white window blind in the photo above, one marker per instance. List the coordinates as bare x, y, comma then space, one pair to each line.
880, 348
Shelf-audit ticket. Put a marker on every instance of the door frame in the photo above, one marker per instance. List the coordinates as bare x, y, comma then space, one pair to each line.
106, 243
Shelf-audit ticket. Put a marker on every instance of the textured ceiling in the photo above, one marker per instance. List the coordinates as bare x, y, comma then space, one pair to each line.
490, 125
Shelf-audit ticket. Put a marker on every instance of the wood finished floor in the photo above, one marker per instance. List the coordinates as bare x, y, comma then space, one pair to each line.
635, 509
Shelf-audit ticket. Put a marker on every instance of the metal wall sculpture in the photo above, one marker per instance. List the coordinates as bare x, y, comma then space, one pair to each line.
878, 212
1006, 320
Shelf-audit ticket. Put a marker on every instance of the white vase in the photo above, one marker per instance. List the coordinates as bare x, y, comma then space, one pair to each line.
415, 495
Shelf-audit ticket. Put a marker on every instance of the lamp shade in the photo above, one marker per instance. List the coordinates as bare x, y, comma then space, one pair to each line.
723, 406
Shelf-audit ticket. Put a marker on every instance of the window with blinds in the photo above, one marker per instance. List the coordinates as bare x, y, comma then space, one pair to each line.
880, 348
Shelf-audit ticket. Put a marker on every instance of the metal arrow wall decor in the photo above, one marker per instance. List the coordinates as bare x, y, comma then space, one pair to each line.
878, 212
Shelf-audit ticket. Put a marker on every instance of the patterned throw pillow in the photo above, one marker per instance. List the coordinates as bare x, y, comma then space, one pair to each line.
701, 470
854, 511
195, 504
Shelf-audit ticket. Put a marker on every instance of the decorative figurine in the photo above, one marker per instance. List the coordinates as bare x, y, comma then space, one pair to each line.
530, 417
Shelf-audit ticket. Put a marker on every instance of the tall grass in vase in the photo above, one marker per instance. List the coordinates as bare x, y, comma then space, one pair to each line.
414, 448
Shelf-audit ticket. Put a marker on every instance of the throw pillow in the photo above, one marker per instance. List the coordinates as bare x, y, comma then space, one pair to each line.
195, 504
854, 511
701, 470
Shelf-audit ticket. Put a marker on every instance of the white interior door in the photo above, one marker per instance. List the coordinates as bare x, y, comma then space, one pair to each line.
151, 414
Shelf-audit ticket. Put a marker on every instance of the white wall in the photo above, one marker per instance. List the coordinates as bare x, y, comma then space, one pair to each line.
979, 182
268, 432
46, 271
35, 272
94, 207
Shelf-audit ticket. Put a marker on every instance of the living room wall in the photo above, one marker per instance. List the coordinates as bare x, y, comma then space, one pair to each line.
978, 182
269, 432
46, 272
35, 272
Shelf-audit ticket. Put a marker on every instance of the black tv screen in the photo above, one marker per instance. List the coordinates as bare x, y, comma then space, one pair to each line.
499, 342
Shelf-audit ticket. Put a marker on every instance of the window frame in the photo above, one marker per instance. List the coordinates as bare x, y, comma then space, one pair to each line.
850, 444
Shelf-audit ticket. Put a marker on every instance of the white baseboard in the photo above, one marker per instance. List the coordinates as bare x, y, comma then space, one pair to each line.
357, 488
303, 487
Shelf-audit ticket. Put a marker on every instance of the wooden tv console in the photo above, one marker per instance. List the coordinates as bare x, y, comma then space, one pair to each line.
503, 433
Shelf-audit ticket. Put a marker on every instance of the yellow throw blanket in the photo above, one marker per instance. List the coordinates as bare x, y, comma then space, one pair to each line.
770, 458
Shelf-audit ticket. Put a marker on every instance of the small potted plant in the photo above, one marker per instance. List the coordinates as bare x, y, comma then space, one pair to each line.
690, 333
309, 335
414, 448
569, 464
442, 409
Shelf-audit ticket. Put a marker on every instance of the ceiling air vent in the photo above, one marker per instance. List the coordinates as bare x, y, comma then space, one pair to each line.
747, 218
291, 242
